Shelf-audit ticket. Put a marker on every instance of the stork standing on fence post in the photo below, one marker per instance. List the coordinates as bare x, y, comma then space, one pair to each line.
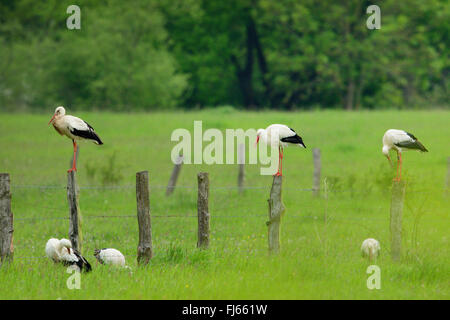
279, 136
75, 129
400, 141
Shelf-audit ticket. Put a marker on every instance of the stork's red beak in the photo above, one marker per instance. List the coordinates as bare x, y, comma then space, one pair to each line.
257, 140
390, 161
51, 120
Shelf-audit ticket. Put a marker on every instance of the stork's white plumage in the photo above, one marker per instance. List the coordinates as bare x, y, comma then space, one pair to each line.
279, 136
370, 248
74, 128
61, 251
400, 141
110, 256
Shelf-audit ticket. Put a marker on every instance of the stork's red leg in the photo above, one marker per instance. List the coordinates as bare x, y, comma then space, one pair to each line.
400, 161
74, 166
280, 162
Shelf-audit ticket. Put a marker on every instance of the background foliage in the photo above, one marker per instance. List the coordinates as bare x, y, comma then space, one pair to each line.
286, 54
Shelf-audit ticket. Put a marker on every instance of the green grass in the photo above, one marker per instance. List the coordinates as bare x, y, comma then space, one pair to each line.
317, 261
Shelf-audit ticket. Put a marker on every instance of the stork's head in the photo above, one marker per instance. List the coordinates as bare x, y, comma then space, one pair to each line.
97, 255
59, 112
65, 243
258, 135
385, 151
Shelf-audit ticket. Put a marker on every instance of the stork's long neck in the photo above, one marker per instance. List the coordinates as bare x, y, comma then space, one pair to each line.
263, 136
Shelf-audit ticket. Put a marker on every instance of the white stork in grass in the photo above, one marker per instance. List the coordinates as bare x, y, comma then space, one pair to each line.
60, 251
400, 141
110, 256
370, 248
279, 136
74, 128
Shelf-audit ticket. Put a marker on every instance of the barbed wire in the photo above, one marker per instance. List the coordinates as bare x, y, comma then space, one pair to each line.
120, 187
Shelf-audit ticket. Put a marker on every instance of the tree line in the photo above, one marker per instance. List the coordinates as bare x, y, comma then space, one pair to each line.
252, 54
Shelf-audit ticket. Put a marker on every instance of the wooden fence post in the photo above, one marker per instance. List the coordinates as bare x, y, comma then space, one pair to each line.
317, 171
174, 176
145, 249
202, 210
398, 196
276, 210
73, 191
6, 220
241, 162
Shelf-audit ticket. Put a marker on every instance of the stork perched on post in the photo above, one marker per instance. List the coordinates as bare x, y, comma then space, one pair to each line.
400, 141
74, 128
279, 136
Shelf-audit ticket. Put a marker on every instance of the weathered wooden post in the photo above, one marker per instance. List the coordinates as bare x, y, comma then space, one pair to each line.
276, 210
317, 171
6, 220
241, 162
202, 210
73, 191
145, 249
76, 156
398, 196
174, 176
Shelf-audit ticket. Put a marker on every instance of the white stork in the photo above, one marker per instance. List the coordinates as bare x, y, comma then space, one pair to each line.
110, 256
400, 140
279, 136
74, 128
61, 251
370, 248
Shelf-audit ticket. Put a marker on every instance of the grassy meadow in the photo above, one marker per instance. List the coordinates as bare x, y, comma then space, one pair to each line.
318, 260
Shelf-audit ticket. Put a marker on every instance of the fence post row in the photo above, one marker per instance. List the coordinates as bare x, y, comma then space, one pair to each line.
317, 171
6, 220
174, 176
241, 162
276, 209
75, 234
398, 196
202, 210
145, 249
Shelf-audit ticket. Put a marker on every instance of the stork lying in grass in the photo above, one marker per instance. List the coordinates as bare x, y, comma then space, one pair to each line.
370, 248
60, 251
110, 256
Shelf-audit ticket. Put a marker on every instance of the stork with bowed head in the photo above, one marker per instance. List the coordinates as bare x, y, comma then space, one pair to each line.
60, 251
400, 141
110, 256
74, 128
279, 136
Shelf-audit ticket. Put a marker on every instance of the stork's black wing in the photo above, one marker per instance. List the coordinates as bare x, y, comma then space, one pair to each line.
412, 143
82, 263
86, 134
294, 140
